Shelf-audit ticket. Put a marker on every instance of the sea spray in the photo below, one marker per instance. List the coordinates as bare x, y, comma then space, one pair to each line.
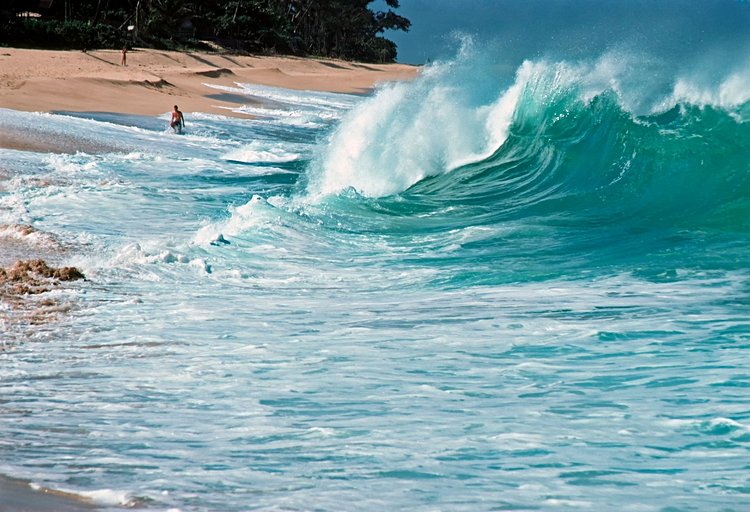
580, 139
410, 131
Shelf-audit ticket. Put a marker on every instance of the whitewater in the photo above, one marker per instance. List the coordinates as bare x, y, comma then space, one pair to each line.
485, 289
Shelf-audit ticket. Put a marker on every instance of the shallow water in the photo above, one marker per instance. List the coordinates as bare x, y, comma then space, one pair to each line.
532, 296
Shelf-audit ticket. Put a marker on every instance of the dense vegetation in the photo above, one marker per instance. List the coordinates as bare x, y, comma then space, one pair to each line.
346, 29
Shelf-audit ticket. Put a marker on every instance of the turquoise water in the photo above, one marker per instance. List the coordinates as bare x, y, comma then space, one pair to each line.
481, 290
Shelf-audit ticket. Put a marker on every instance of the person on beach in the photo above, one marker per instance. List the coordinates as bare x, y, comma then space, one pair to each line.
178, 121
124, 59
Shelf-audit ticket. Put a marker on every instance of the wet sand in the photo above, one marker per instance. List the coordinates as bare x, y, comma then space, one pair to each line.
19, 496
43, 141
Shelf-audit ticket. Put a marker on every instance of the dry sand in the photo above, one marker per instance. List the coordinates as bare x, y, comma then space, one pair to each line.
154, 80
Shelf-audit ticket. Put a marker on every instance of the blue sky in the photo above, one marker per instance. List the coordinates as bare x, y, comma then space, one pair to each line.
528, 28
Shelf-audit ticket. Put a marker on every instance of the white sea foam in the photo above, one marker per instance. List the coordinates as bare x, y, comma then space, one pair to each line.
109, 497
315, 99
101, 497
407, 132
255, 212
728, 93
262, 152
288, 107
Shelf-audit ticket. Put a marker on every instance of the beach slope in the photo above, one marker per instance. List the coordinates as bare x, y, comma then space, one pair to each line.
154, 80
19, 496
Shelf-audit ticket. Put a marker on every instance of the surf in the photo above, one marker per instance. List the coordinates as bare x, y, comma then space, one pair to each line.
579, 138
540, 268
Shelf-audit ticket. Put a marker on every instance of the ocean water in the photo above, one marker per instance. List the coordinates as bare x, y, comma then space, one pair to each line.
485, 289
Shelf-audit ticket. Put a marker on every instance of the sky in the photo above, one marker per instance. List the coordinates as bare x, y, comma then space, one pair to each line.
529, 28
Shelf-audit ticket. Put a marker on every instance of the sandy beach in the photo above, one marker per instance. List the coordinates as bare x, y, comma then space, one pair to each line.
152, 80
19, 496
155, 80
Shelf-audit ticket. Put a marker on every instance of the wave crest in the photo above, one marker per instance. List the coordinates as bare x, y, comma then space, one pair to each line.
591, 140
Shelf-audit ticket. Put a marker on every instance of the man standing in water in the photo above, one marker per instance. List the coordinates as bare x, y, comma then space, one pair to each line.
178, 121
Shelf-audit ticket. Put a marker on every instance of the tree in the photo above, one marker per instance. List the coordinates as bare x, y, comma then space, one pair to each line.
342, 28
347, 29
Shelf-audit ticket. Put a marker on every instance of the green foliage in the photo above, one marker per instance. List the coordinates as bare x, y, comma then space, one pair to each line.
342, 28
345, 29
53, 34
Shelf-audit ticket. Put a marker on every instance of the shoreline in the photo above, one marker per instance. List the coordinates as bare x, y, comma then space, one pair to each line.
19, 496
154, 80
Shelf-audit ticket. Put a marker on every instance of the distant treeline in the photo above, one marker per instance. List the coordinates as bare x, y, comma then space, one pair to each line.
346, 29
